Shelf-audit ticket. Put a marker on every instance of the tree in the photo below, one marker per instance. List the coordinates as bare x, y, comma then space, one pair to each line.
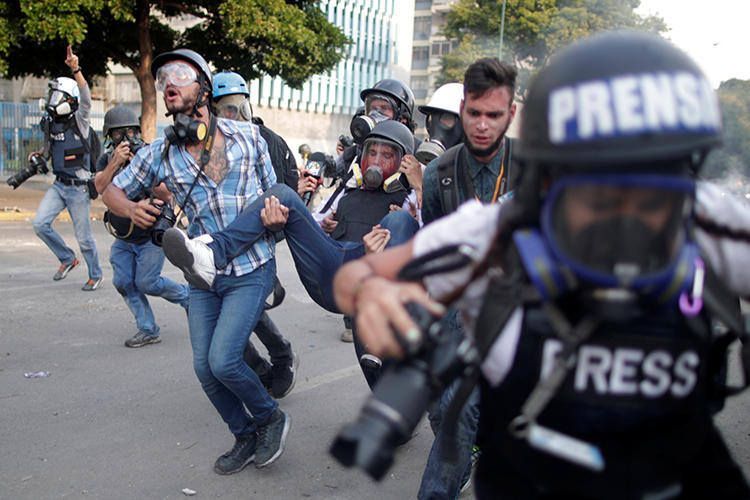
733, 158
533, 30
291, 39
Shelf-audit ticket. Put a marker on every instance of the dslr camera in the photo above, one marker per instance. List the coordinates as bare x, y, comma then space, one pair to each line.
402, 395
164, 221
37, 165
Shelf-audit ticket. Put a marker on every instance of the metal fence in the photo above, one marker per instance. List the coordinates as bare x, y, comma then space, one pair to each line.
20, 134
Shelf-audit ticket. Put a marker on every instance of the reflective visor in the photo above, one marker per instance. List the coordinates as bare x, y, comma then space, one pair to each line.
56, 97
177, 73
613, 230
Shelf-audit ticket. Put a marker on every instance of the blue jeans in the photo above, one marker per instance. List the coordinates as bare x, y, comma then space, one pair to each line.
221, 320
76, 200
137, 272
316, 256
442, 479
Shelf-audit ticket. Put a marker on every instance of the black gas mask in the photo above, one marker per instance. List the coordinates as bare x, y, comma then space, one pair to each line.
185, 129
445, 132
362, 125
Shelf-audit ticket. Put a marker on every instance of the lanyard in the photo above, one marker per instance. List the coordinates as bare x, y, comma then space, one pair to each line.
499, 182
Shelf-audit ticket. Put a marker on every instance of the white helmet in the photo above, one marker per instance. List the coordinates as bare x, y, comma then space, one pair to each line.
447, 98
63, 96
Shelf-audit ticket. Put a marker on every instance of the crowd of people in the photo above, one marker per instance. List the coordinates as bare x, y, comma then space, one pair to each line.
591, 280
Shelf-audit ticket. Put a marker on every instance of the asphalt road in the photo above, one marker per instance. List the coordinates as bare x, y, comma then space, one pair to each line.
116, 423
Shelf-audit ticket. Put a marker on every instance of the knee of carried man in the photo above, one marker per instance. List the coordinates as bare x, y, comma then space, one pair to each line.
282, 192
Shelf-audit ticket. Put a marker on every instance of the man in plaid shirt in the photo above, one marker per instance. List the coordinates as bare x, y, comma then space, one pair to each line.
214, 177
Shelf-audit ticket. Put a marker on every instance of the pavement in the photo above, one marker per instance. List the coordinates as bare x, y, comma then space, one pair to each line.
20, 204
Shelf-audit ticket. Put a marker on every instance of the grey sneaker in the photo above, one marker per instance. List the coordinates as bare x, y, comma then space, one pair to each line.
271, 439
193, 257
284, 377
236, 459
347, 335
92, 284
140, 339
65, 269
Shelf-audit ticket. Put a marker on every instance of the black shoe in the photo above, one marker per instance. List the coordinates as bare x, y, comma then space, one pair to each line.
140, 339
284, 377
236, 459
271, 439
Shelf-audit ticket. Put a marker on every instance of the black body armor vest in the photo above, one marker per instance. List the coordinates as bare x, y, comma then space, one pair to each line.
360, 209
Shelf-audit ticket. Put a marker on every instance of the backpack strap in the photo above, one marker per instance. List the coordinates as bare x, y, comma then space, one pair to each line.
447, 170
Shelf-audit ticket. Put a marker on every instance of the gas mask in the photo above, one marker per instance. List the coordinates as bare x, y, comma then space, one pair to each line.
362, 125
60, 104
234, 107
381, 159
616, 238
185, 129
445, 131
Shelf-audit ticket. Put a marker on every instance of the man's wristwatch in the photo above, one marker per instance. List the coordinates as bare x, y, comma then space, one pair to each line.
77, 70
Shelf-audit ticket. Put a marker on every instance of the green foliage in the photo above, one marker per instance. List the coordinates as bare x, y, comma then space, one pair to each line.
734, 155
534, 29
290, 39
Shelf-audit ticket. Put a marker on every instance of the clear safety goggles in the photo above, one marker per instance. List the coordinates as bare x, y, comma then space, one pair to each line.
177, 73
57, 97
230, 107
615, 230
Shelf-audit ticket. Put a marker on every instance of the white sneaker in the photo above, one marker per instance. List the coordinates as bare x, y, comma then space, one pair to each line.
192, 257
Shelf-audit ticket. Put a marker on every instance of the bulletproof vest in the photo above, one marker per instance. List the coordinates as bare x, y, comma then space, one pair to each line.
639, 391
67, 150
360, 209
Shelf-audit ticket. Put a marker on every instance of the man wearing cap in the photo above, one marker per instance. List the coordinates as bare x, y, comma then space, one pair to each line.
214, 167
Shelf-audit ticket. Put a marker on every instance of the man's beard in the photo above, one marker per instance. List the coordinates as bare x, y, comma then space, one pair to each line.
489, 150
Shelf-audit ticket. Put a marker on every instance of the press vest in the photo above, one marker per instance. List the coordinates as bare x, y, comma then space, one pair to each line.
67, 150
639, 391
360, 209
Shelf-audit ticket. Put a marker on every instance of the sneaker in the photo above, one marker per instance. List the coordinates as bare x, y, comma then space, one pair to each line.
193, 257
65, 269
140, 339
284, 377
347, 336
236, 459
271, 439
370, 362
92, 284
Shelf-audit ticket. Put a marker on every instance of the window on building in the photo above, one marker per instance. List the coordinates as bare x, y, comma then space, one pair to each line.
441, 49
420, 57
423, 5
419, 86
422, 27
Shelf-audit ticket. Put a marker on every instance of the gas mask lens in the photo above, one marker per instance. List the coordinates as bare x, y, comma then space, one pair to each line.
119, 134
622, 226
229, 111
176, 73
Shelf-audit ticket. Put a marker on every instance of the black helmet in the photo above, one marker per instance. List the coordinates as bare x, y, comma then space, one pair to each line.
619, 98
396, 132
402, 94
118, 117
188, 55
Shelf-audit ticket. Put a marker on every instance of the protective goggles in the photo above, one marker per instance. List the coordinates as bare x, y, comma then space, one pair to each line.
618, 230
118, 134
233, 107
58, 97
177, 73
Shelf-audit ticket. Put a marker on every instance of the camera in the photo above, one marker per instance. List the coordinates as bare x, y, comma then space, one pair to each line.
37, 165
402, 396
135, 144
164, 221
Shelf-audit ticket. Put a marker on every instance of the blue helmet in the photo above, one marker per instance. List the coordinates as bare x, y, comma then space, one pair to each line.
228, 83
